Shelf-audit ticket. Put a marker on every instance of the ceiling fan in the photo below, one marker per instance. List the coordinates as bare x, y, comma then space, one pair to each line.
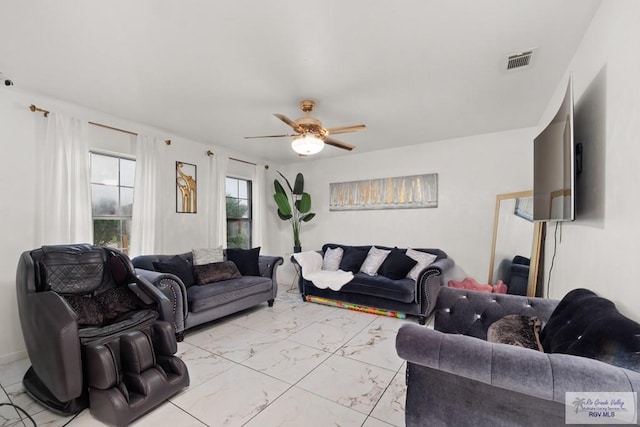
311, 136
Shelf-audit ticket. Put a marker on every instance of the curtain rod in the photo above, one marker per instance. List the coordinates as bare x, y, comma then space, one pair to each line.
35, 109
210, 153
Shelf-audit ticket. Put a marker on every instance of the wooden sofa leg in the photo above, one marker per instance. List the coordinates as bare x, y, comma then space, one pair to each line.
270, 302
422, 319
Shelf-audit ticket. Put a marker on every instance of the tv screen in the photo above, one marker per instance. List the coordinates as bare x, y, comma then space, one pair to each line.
554, 166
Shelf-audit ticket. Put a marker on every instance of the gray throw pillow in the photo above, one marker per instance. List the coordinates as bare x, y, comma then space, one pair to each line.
207, 255
332, 258
374, 260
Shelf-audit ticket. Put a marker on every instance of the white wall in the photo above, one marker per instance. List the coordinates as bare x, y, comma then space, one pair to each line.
19, 131
471, 172
600, 250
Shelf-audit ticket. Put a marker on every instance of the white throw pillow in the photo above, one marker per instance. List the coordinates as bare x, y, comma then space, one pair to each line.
423, 258
207, 255
332, 258
374, 260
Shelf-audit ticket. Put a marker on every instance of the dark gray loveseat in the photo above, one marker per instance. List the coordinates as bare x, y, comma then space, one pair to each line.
200, 304
456, 378
403, 295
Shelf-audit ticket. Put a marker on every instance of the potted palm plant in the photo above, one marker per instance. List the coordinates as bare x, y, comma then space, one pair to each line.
293, 206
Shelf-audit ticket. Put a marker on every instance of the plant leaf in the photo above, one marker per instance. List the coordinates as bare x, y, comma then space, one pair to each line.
283, 204
284, 217
298, 187
278, 186
304, 203
286, 180
307, 217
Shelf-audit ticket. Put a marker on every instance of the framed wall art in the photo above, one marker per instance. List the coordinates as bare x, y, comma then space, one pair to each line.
406, 192
186, 188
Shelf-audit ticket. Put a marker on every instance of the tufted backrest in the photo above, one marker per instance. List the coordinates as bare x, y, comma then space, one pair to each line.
471, 313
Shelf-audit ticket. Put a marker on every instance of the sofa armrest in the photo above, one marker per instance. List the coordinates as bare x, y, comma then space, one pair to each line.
546, 376
429, 282
173, 288
268, 265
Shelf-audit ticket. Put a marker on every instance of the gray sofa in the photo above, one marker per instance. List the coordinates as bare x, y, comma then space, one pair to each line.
200, 304
456, 378
413, 297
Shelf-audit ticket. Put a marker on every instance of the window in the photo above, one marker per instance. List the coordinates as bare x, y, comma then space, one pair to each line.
112, 200
238, 213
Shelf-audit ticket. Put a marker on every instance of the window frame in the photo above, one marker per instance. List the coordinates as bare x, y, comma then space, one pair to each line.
249, 199
124, 236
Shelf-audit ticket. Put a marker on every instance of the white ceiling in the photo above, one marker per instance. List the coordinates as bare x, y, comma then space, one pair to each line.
413, 71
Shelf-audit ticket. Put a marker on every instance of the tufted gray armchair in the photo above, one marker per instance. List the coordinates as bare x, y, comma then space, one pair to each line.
456, 378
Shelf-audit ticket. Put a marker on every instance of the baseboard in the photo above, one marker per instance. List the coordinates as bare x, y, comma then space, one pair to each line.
12, 357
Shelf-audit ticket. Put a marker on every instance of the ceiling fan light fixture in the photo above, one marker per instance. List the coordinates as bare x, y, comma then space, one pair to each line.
307, 144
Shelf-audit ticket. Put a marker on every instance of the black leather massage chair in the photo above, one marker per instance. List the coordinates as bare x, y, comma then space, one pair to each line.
95, 333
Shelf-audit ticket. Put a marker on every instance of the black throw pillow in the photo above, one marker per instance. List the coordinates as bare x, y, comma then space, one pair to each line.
215, 272
352, 259
397, 265
177, 266
246, 260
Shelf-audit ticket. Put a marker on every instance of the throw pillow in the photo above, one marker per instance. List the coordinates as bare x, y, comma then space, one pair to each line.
332, 258
423, 258
207, 255
352, 259
513, 329
215, 272
177, 266
397, 265
116, 301
246, 260
87, 309
374, 260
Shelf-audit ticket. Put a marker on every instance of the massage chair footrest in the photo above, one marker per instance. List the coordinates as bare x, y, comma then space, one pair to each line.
133, 374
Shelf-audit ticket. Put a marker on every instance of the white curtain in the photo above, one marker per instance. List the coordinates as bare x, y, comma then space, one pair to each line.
259, 206
147, 197
65, 195
219, 211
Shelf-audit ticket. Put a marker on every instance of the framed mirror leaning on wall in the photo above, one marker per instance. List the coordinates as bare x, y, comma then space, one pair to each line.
515, 251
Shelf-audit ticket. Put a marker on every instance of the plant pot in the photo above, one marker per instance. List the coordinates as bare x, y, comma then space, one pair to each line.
297, 249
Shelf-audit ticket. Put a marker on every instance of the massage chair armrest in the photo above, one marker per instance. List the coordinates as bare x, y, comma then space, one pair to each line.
150, 294
49, 322
546, 376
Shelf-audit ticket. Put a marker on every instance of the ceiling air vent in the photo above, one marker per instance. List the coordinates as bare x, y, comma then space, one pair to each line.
520, 60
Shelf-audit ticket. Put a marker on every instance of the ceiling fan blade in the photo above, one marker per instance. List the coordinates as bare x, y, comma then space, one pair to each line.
271, 136
345, 129
290, 122
338, 144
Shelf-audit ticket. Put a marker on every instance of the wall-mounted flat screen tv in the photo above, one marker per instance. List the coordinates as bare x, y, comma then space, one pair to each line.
554, 177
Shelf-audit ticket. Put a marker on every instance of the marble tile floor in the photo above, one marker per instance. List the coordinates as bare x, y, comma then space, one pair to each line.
295, 364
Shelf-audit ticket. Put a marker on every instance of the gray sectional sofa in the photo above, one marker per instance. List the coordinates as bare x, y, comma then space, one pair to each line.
456, 378
198, 304
413, 297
